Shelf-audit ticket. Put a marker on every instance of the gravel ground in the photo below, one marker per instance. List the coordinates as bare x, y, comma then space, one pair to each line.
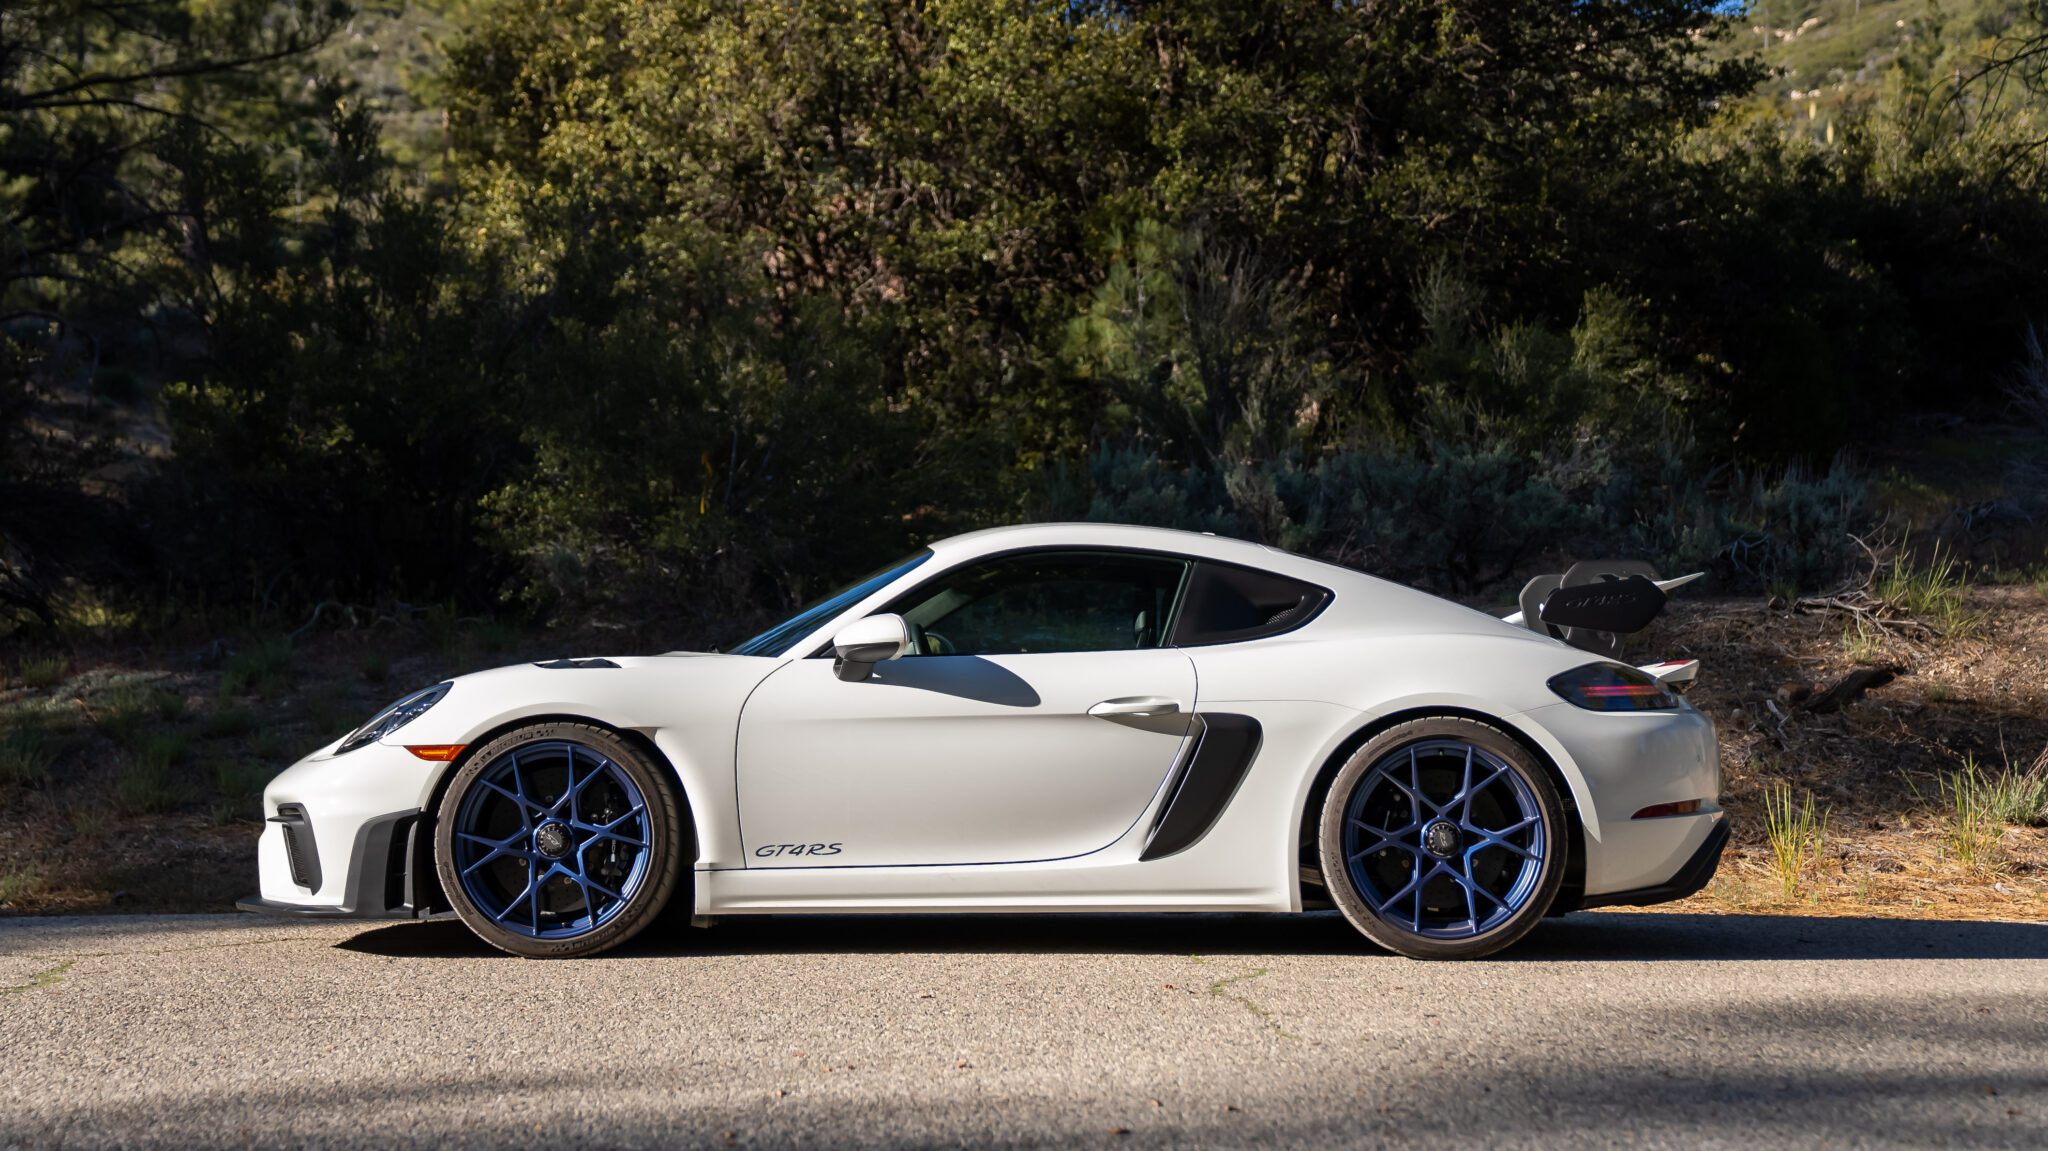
1602, 1029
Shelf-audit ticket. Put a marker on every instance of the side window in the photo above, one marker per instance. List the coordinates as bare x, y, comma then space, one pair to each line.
1227, 604
1046, 602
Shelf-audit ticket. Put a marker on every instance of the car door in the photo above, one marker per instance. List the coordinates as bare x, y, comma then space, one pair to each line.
1036, 719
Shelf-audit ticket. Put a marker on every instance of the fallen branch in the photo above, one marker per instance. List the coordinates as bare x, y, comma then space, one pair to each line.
1869, 612
1850, 688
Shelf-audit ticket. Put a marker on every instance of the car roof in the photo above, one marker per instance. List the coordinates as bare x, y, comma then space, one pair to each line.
1205, 545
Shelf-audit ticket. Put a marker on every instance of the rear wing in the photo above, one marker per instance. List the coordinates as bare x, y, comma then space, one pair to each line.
1596, 602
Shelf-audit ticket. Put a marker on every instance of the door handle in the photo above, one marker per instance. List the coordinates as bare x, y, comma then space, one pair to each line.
1135, 705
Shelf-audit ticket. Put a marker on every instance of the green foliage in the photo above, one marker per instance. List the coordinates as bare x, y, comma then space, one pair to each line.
694, 308
1796, 529
145, 142
1981, 801
1531, 445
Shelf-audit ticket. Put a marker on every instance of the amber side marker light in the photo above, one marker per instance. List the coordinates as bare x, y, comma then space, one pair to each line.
1660, 810
436, 752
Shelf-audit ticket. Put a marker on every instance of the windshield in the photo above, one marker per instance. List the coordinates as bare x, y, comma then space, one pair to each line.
779, 639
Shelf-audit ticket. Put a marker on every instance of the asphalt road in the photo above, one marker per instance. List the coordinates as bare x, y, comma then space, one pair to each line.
1602, 1029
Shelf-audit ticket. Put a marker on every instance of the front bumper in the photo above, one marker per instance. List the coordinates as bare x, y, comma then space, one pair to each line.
349, 837
388, 873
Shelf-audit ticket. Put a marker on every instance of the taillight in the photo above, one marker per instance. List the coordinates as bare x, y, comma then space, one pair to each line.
1613, 687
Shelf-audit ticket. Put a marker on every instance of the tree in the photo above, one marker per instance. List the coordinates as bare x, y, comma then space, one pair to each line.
119, 158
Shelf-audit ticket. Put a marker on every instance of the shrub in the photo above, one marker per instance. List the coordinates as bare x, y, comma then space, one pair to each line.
1794, 529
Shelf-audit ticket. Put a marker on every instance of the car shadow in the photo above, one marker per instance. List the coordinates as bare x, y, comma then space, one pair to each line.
1604, 936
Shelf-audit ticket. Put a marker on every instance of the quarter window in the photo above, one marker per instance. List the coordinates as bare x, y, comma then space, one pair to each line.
1228, 604
1043, 602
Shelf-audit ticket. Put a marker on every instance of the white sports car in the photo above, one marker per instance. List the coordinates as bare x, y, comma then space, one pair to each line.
1061, 717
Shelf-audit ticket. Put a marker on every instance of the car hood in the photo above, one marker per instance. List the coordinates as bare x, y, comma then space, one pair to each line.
635, 692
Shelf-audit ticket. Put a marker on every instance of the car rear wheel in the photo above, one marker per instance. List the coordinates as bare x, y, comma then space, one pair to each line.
1443, 839
559, 840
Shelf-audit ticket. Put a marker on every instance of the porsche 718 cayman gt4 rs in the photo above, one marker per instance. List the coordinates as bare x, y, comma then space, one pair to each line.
1065, 717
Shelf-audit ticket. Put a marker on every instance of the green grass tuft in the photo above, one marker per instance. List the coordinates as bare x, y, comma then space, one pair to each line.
1980, 804
125, 712
241, 782
1973, 835
42, 674
1931, 593
228, 722
20, 883
26, 752
1862, 644
89, 819
1796, 833
257, 667
151, 780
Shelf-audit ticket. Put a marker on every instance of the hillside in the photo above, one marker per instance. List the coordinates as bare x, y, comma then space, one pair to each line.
1841, 47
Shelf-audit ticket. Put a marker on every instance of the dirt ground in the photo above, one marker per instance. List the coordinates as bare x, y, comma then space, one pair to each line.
130, 776
1874, 767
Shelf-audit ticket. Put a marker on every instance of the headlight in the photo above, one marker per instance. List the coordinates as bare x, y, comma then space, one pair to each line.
1613, 687
394, 717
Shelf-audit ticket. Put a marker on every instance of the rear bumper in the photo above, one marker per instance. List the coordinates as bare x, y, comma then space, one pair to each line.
1695, 875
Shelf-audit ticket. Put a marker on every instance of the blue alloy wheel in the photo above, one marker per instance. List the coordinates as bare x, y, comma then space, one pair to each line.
1445, 839
552, 840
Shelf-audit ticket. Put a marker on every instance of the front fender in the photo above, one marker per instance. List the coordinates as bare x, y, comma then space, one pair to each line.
688, 706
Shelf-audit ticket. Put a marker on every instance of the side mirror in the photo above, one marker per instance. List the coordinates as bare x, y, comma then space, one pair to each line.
861, 645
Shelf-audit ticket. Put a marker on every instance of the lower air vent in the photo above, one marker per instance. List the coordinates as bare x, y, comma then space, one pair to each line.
299, 849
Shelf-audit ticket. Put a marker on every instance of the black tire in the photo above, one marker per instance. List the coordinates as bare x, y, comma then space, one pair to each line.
1344, 885
665, 814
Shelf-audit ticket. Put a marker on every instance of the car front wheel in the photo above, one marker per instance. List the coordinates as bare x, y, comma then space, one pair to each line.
1443, 839
559, 840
